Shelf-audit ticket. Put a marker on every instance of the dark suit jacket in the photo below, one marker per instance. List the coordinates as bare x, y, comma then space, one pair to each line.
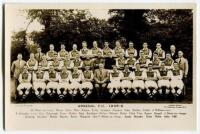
101, 77
174, 56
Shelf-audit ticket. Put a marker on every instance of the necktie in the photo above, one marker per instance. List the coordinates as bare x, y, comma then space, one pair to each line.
101, 75
20, 63
180, 61
39, 57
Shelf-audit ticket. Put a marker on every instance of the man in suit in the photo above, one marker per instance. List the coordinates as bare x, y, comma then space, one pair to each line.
173, 52
101, 77
39, 54
17, 66
183, 63
16, 69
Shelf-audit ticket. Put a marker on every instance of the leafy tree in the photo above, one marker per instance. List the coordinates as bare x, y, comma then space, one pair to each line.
130, 24
18, 45
69, 27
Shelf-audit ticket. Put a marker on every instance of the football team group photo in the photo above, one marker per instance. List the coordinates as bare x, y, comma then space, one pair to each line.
115, 55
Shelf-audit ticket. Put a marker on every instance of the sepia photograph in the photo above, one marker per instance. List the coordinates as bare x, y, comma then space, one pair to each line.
112, 55
111, 65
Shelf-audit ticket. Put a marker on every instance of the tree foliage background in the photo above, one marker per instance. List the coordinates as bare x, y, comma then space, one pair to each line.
74, 26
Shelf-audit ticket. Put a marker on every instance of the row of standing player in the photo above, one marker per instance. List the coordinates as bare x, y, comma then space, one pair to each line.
106, 51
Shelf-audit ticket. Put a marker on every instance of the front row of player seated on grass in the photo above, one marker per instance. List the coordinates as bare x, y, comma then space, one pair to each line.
149, 82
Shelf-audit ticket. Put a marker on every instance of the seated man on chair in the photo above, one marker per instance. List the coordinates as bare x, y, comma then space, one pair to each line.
25, 83
52, 81
76, 80
101, 77
150, 81
39, 79
164, 76
86, 87
138, 82
126, 84
63, 85
176, 81
115, 84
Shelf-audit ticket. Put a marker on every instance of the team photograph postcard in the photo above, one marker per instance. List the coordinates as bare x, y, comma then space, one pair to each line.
100, 66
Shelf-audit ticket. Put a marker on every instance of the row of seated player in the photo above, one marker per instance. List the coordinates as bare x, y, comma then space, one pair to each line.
151, 81
105, 52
